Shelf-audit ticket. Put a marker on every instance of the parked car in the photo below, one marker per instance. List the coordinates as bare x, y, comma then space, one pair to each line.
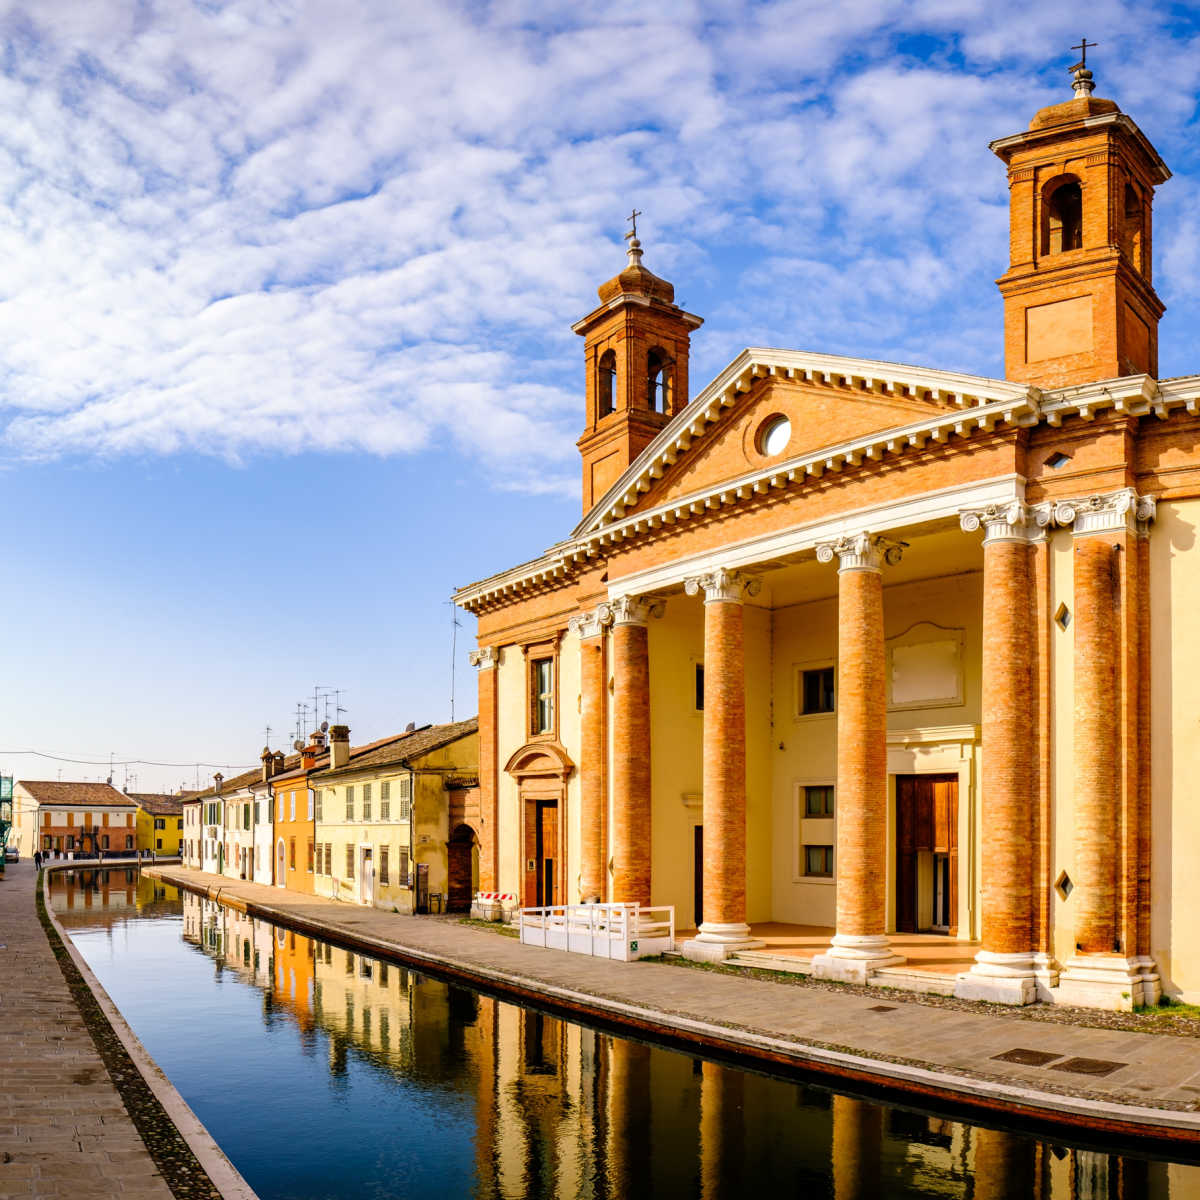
11, 854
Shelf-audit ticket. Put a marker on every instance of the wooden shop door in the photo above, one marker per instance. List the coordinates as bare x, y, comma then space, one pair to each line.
927, 854
546, 854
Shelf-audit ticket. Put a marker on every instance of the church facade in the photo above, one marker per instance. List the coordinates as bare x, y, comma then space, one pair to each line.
880, 650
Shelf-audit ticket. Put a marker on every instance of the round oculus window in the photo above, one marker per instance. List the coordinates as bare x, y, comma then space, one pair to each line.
774, 436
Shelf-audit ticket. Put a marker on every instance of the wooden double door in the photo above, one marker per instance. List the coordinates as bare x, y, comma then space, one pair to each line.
543, 853
927, 854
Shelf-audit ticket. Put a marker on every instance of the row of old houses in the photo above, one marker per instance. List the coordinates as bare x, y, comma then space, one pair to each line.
394, 823
93, 820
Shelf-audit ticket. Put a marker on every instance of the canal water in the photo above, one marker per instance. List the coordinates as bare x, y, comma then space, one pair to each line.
326, 1074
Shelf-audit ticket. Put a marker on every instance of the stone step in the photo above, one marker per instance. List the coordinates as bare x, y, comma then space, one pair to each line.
763, 960
909, 980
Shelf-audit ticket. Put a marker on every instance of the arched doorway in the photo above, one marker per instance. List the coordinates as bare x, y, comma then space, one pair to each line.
541, 770
280, 864
462, 868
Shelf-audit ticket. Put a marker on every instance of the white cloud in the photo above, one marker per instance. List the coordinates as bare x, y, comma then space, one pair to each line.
364, 227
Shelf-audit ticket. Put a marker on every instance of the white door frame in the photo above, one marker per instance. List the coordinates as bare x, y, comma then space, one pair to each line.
366, 874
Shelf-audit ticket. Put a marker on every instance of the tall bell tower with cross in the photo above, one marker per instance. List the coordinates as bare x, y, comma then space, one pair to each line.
1079, 304
636, 355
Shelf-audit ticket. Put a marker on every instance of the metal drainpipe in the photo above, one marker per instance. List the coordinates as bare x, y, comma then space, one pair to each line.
412, 846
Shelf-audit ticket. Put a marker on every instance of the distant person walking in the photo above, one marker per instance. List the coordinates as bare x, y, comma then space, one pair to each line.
37, 859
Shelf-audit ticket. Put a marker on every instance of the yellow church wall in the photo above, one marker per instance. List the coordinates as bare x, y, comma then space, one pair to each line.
569, 734
510, 706
676, 647
1062, 740
1175, 748
805, 638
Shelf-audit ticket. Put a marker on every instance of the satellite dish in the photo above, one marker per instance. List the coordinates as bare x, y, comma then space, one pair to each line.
297, 745
324, 726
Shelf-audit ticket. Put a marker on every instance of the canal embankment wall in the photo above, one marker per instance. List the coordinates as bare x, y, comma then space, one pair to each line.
973, 1060
172, 1110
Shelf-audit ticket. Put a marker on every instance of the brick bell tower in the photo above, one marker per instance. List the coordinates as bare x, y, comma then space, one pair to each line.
636, 350
1079, 305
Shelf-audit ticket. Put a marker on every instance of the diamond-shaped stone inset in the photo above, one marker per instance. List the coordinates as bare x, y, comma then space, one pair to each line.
1095, 1067
1062, 618
1063, 885
1028, 1058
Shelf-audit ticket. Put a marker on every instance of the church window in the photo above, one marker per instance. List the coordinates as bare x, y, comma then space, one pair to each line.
818, 800
774, 435
816, 691
1057, 460
699, 695
658, 381
541, 706
606, 383
818, 861
1064, 218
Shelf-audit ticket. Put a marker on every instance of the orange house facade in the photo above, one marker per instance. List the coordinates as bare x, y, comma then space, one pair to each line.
295, 819
880, 652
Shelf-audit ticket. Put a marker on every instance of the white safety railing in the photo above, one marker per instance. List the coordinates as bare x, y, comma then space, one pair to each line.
622, 931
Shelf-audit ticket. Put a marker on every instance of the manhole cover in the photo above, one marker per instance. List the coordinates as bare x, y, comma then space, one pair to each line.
1027, 1058
1088, 1066
882, 1008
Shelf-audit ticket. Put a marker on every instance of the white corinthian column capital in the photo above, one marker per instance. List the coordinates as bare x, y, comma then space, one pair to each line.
860, 552
630, 610
590, 624
1109, 512
485, 658
1012, 522
722, 585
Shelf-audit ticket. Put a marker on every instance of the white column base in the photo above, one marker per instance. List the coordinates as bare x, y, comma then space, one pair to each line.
716, 941
999, 979
1045, 972
1108, 981
853, 959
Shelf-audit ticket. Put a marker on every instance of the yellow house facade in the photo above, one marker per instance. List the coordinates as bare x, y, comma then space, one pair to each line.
383, 819
159, 823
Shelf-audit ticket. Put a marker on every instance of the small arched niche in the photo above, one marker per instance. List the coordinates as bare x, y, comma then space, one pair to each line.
606, 384
658, 380
1062, 224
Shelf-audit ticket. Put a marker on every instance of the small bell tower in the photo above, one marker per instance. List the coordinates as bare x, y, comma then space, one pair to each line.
1079, 305
636, 350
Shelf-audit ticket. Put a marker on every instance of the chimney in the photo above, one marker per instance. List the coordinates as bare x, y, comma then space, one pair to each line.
268, 763
218, 779
339, 746
308, 756
279, 761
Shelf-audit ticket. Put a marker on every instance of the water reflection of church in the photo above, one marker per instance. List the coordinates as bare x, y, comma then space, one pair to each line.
564, 1110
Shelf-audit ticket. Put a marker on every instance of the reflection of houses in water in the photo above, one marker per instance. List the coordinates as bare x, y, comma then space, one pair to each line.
564, 1110
104, 897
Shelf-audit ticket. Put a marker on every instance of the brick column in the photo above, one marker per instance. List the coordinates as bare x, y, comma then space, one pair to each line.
631, 750
1004, 969
485, 660
1106, 970
724, 930
589, 627
860, 944
856, 1149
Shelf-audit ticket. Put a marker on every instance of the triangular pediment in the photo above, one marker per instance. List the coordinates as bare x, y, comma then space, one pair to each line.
829, 403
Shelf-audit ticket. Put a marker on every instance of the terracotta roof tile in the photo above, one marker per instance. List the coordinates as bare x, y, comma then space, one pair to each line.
158, 804
94, 795
402, 748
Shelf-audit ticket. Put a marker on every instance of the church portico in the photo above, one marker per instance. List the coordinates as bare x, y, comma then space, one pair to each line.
880, 652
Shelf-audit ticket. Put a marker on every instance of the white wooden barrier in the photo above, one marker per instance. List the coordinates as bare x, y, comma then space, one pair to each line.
622, 931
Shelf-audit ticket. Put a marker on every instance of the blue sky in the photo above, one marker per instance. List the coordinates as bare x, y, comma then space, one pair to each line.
285, 348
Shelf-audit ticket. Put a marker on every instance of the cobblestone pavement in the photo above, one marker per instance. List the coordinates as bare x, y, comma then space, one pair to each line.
64, 1130
1087, 1075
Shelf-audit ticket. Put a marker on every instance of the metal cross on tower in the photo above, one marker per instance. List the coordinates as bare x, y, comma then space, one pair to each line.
632, 219
1083, 47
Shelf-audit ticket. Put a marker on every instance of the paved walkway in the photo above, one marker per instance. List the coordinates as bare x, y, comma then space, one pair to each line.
984, 1057
63, 1128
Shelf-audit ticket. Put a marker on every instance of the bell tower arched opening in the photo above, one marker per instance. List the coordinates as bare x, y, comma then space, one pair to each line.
1062, 228
606, 384
658, 381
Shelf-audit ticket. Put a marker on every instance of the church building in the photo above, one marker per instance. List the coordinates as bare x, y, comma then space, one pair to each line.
886, 666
